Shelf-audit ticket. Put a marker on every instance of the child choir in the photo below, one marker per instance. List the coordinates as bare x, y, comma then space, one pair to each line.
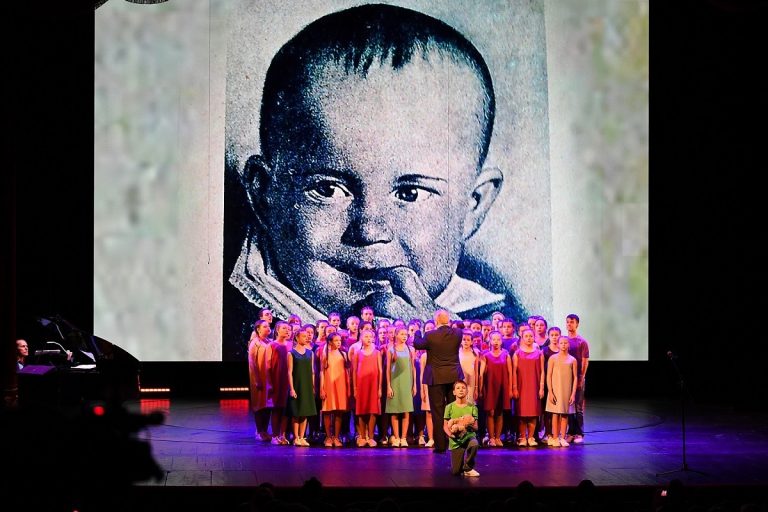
364, 385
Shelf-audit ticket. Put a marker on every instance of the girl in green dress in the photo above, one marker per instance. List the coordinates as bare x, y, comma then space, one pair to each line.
401, 386
301, 378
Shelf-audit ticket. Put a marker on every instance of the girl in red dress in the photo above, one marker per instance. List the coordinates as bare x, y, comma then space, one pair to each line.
366, 372
528, 386
497, 387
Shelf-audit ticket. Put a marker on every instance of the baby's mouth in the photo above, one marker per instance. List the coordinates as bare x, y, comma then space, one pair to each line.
368, 275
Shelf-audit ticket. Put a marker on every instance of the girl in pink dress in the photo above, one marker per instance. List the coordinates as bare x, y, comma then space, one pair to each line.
257, 372
528, 386
552, 348
334, 388
497, 387
277, 364
367, 378
470, 362
562, 380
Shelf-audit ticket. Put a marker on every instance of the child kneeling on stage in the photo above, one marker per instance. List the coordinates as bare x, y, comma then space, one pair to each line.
460, 425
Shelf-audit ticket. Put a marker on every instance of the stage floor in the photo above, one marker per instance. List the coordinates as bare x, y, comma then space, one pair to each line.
211, 443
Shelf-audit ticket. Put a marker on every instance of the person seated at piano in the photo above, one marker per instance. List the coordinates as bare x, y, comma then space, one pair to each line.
22, 352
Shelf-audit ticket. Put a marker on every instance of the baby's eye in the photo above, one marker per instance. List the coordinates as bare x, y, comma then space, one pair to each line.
327, 189
412, 194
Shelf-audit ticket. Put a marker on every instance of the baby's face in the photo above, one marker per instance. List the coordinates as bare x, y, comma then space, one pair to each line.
386, 184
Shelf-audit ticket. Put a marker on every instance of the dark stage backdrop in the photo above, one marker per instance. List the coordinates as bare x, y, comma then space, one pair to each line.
707, 279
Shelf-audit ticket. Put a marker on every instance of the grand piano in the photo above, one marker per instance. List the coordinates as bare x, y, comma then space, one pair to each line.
73, 366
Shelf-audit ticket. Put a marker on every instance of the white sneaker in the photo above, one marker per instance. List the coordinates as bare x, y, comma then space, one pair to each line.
532, 442
276, 441
578, 439
563, 442
521, 442
471, 472
422, 442
403, 443
394, 442
430, 443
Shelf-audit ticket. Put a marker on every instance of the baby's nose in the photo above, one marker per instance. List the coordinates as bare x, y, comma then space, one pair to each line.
368, 224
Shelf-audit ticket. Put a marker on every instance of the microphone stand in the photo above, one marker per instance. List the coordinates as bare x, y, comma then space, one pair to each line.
672, 357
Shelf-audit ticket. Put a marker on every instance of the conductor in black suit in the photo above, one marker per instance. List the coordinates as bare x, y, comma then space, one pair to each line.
441, 371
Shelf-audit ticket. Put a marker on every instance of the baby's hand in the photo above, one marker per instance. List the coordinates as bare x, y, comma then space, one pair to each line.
409, 297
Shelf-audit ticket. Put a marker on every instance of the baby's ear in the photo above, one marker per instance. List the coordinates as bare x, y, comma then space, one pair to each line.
484, 192
255, 178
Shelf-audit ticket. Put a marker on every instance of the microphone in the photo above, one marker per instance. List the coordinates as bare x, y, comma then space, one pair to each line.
671, 355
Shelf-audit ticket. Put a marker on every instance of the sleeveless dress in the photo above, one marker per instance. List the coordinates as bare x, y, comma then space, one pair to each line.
335, 376
367, 383
304, 403
417, 397
383, 354
529, 370
562, 385
257, 373
467, 362
496, 382
424, 372
278, 377
401, 382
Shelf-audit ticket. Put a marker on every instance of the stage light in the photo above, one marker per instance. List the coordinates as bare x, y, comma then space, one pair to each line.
98, 410
234, 390
154, 390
